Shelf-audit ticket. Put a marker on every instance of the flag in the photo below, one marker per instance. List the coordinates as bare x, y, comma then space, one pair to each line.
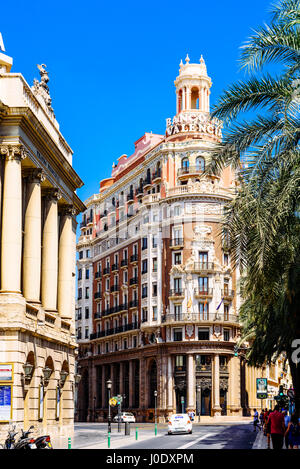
189, 303
220, 304
204, 304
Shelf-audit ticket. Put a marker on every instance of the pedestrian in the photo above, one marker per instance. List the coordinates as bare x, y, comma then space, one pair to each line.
266, 416
268, 429
293, 432
261, 418
276, 420
287, 420
255, 421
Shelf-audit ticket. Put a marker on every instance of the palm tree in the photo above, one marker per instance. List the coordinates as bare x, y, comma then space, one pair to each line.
263, 222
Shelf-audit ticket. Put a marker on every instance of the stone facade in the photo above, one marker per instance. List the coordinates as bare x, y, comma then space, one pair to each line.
38, 243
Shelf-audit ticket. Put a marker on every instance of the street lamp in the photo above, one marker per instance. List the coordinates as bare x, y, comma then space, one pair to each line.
155, 414
109, 385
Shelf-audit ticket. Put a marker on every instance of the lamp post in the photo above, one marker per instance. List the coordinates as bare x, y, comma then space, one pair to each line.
155, 412
109, 385
198, 388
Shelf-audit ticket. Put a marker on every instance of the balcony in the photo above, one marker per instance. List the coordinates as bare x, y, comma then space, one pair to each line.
133, 304
83, 224
114, 267
139, 192
151, 198
176, 243
114, 288
133, 281
104, 214
98, 274
97, 315
130, 197
144, 294
124, 263
228, 294
106, 271
200, 267
176, 294
97, 295
156, 176
205, 367
203, 292
188, 171
199, 317
89, 220
115, 330
134, 258
147, 182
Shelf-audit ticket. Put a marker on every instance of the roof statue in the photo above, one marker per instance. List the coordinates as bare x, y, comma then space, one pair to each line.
2, 48
41, 89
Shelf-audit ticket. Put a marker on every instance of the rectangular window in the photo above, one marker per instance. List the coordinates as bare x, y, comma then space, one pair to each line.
87, 274
177, 258
144, 290
125, 344
177, 284
203, 284
79, 274
154, 289
226, 312
177, 334
154, 266
86, 333
87, 293
87, 313
154, 309
144, 266
79, 293
144, 314
80, 254
203, 311
203, 334
226, 259
226, 335
144, 243
134, 341
154, 242
178, 312
87, 253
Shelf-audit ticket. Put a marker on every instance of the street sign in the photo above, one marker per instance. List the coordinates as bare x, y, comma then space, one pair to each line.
261, 388
291, 393
113, 402
119, 399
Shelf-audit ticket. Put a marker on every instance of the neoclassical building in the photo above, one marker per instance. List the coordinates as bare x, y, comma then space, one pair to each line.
38, 207
165, 293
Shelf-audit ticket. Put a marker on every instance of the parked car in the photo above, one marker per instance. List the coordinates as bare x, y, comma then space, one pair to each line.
179, 423
125, 417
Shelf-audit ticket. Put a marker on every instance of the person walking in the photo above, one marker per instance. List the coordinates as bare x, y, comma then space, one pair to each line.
293, 432
261, 418
255, 421
277, 428
287, 420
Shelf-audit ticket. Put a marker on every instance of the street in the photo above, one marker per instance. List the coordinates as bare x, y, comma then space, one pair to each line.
238, 435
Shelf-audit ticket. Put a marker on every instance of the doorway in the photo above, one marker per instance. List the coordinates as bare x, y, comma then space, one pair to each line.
206, 402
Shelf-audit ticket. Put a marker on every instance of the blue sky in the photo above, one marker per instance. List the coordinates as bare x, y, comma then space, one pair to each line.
112, 65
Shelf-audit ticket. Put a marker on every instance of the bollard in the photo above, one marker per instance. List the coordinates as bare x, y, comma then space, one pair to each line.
155, 429
127, 428
69, 443
108, 440
136, 433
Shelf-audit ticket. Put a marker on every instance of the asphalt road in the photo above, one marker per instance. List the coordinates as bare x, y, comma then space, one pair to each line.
219, 436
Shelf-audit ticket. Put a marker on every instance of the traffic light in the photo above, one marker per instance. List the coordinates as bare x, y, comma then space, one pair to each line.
236, 349
280, 393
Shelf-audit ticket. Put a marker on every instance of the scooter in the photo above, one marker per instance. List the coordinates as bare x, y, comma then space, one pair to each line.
10, 440
25, 442
43, 442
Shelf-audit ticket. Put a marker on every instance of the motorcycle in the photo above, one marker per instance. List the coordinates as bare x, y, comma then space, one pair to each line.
10, 440
25, 442
43, 442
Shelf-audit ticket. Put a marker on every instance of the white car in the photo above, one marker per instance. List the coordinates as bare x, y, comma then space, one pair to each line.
180, 423
125, 417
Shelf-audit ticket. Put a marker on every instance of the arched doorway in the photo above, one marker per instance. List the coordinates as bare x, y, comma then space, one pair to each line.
206, 401
152, 383
83, 398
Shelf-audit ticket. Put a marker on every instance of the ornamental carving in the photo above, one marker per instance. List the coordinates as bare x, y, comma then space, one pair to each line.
189, 329
52, 194
34, 174
13, 152
180, 384
41, 89
205, 383
224, 384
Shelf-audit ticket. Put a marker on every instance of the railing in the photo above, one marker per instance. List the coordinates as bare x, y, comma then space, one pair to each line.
97, 315
189, 170
130, 196
114, 267
133, 304
203, 291
114, 288
203, 266
124, 262
134, 258
195, 317
133, 281
83, 223
106, 270
147, 182
204, 367
145, 295
97, 294
228, 294
115, 330
103, 214
89, 220
97, 274
139, 191
150, 198
176, 242
176, 292
156, 174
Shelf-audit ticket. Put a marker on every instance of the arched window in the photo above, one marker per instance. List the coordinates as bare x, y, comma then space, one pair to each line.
200, 163
195, 98
185, 163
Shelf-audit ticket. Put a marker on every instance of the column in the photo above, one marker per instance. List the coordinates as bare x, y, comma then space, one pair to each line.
170, 384
50, 251
121, 378
188, 98
112, 378
65, 264
32, 236
11, 245
131, 384
183, 99
190, 383
103, 388
216, 386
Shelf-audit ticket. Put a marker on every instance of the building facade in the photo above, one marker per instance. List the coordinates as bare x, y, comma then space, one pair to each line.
165, 293
38, 210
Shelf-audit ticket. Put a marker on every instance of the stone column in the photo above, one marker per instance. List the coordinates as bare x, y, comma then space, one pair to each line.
50, 251
11, 245
131, 384
188, 98
190, 383
170, 384
183, 99
32, 237
216, 386
121, 378
103, 387
65, 264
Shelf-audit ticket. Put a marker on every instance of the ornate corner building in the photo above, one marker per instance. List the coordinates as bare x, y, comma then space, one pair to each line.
164, 294
38, 206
